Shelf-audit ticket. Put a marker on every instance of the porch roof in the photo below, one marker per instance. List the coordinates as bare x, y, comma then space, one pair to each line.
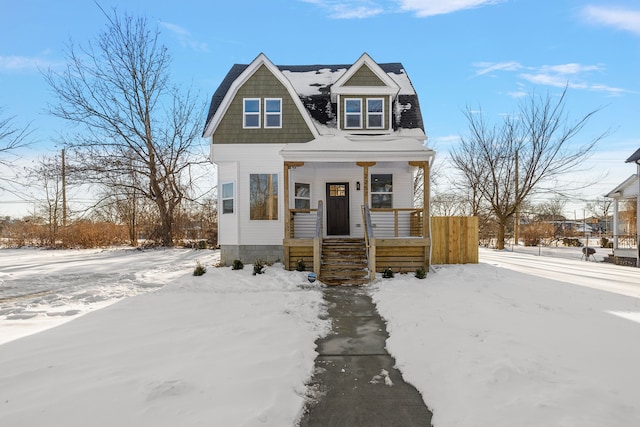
628, 189
342, 148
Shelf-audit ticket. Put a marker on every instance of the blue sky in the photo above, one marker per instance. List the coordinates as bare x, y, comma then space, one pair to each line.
459, 53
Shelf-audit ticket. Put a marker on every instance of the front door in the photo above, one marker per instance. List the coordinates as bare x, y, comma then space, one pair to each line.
338, 209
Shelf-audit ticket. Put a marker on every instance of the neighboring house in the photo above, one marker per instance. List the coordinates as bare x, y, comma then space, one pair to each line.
625, 228
313, 156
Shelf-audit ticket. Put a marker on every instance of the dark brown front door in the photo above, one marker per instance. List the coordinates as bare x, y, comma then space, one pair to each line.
338, 209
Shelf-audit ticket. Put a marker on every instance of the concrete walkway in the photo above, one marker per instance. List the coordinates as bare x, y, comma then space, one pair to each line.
355, 383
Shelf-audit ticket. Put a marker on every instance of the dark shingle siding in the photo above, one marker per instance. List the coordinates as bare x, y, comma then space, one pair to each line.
319, 106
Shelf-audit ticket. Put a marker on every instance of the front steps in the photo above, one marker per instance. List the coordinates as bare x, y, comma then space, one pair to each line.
344, 262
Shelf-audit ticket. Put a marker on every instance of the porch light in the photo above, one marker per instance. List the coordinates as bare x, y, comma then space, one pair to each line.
358, 185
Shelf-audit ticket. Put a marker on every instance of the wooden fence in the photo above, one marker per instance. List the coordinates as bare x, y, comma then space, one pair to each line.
454, 240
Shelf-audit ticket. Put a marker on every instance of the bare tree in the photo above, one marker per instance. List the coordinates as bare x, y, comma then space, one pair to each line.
510, 162
12, 138
138, 131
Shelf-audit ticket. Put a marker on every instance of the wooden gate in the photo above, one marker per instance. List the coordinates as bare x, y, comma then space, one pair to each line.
454, 240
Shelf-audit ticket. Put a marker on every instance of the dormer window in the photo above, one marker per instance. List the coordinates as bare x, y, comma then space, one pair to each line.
375, 113
273, 113
251, 113
353, 113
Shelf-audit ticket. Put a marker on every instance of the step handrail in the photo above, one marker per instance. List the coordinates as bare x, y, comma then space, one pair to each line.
369, 241
317, 240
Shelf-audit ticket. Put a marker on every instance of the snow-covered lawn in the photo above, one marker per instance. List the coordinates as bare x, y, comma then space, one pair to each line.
493, 346
517, 340
223, 349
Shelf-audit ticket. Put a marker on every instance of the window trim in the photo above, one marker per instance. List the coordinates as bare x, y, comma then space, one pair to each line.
372, 193
347, 114
267, 113
245, 114
296, 197
274, 197
232, 197
381, 114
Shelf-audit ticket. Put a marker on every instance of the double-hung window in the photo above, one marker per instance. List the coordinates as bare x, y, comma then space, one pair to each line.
263, 196
375, 113
272, 112
251, 113
382, 190
302, 195
228, 197
353, 113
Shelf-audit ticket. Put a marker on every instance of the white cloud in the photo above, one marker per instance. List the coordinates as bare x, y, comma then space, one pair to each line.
349, 9
425, 8
185, 37
25, 63
489, 67
623, 19
573, 75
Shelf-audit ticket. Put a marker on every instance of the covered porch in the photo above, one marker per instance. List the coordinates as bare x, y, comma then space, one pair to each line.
363, 202
625, 222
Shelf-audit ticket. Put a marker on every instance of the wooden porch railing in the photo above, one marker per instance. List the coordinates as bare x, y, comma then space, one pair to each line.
398, 222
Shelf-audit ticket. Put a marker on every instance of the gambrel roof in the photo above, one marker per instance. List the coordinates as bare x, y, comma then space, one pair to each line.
313, 84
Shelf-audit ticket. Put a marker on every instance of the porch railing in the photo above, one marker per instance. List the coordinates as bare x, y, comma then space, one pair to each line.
303, 223
317, 240
398, 222
626, 241
369, 241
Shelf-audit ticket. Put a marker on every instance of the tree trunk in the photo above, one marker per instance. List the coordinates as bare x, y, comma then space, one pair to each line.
500, 238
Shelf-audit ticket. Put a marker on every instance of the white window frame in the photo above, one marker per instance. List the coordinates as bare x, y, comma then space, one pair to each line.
273, 214
246, 114
296, 197
267, 113
376, 113
232, 197
348, 114
372, 193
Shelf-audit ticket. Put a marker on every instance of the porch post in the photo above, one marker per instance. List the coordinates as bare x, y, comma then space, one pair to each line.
287, 214
426, 187
615, 224
365, 180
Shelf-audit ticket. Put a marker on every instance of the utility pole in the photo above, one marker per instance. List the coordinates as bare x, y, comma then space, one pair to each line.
64, 197
516, 225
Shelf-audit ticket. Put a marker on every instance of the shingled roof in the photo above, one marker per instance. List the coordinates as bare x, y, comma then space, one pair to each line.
313, 84
635, 157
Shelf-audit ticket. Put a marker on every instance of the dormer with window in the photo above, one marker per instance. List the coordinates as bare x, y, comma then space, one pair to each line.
364, 96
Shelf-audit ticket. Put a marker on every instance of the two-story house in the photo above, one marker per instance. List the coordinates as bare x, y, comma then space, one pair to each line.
311, 157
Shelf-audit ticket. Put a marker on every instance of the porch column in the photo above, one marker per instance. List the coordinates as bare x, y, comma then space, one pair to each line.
287, 214
365, 180
615, 224
426, 189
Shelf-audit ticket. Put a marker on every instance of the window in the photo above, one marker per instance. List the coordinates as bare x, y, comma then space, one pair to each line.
375, 113
338, 190
263, 196
273, 113
251, 113
302, 196
227, 198
381, 191
352, 113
